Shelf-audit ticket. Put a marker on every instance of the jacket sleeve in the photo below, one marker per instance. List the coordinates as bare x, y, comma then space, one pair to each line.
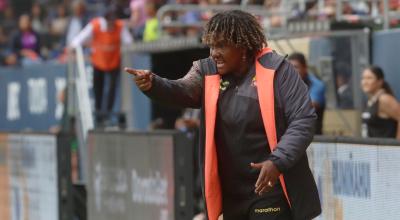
299, 115
184, 92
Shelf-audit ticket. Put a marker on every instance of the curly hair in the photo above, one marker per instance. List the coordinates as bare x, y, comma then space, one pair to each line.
235, 27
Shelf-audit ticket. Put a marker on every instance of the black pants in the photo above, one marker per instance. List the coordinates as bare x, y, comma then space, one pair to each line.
98, 87
270, 206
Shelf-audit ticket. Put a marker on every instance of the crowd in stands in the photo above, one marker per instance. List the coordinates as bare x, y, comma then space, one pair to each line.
39, 34
43, 32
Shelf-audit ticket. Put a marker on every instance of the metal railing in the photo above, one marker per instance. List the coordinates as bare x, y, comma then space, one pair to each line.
256, 10
79, 105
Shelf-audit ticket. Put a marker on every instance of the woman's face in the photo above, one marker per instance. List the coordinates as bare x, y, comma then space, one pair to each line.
229, 59
36, 10
370, 84
61, 11
24, 23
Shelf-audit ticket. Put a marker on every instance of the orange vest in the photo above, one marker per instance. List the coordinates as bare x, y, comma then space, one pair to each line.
106, 52
265, 90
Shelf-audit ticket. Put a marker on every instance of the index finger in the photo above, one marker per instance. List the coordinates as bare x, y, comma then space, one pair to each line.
131, 71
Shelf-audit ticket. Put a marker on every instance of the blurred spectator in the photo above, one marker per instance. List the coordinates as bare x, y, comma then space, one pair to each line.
347, 9
230, 2
25, 43
190, 120
394, 5
3, 46
8, 21
59, 24
3, 5
273, 6
6, 58
169, 17
77, 21
151, 27
122, 8
58, 28
358, 8
191, 19
309, 10
316, 87
353, 10
107, 33
138, 18
381, 117
343, 85
3, 39
39, 25
206, 15
328, 12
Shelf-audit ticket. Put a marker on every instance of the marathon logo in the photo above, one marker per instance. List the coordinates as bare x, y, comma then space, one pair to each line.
267, 210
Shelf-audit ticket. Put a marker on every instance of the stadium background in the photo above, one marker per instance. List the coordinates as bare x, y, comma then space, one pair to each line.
55, 164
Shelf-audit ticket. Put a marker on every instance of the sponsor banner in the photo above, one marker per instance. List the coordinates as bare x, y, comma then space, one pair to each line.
131, 177
356, 181
28, 177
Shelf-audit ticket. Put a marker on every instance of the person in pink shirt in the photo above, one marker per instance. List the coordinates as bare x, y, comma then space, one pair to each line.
138, 17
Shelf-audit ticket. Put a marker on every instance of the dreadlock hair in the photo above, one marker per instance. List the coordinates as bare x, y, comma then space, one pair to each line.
236, 27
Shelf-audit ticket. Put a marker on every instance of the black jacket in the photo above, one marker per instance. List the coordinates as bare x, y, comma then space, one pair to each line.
295, 121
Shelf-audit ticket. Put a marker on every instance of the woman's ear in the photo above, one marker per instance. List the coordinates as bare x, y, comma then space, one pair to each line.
244, 54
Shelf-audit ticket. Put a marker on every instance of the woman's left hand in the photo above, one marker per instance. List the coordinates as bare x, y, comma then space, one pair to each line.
267, 178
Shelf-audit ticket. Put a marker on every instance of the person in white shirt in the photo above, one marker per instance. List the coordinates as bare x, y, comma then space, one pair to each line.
106, 35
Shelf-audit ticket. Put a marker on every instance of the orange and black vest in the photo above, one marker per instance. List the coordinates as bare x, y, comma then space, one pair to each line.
106, 46
265, 90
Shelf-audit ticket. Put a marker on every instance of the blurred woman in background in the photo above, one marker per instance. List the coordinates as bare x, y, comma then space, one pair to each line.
381, 117
25, 43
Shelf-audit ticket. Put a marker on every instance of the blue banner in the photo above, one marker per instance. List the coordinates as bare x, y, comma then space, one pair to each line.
32, 97
385, 48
